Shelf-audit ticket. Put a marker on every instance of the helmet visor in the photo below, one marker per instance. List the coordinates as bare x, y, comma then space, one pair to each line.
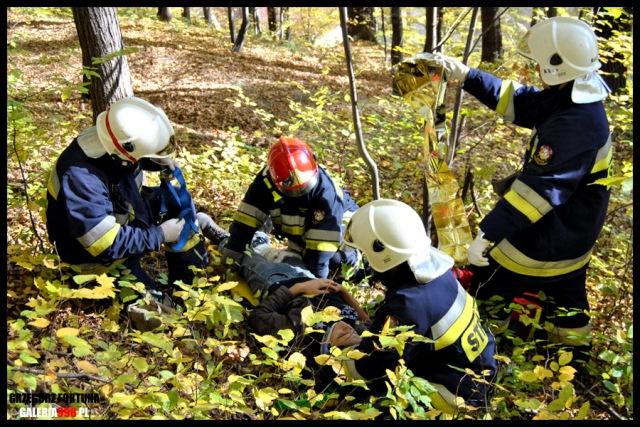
168, 150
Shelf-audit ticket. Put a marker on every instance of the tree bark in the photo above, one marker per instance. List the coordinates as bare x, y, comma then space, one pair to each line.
285, 25
430, 29
492, 36
211, 19
373, 168
272, 13
243, 30
99, 34
232, 27
384, 35
396, 35
255, 19
613, 70
440, 14
186, 13
362, 23
164, 14
552, 11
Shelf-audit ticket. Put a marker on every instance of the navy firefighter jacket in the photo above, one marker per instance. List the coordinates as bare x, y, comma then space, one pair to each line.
312, 221
95, 211
547, 222
446, 314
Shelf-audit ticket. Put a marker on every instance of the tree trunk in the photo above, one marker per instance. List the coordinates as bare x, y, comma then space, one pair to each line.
613, 70
99, 34
396, 35
164, 14
243, 30
211, 19
491, 35
384, 35
232, 27
552, 11
362, 23
357, 126
272, 13
431, 29
186, 13
255, 19
285, 25
440, 14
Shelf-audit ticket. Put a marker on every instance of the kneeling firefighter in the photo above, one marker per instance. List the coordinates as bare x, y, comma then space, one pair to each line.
99, 213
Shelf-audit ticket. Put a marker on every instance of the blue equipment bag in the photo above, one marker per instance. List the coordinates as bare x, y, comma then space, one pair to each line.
180, 198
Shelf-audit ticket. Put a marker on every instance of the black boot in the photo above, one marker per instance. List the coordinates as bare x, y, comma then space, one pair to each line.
210, 229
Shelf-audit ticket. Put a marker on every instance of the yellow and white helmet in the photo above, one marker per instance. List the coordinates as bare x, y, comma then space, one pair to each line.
388, 232
132, 128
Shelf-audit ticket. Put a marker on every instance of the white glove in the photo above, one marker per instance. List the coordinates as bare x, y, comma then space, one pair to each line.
456, 69
475, 253
204, 220
171, 229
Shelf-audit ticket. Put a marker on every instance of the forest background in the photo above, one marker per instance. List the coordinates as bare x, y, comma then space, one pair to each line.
65, 332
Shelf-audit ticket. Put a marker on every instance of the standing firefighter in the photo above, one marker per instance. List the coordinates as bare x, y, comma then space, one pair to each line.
541, 233
304, 204
98, 211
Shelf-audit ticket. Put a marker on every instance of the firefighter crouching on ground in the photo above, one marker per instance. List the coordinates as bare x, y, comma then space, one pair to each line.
304, 204
100, 214
541, 232
421, 291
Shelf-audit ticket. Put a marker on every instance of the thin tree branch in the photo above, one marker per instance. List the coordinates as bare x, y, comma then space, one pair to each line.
603, 405
26, 189
453, 27
59, 375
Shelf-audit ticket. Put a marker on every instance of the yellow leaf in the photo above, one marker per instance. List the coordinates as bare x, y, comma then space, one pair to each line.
321, 359
87, 367
64, 332
295, 362
565, 358
226, 286
285, 391
40, 322
542, 372
528, 376
355, 354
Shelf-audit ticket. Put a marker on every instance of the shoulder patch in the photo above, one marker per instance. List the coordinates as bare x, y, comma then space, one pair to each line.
318, 215
543, 155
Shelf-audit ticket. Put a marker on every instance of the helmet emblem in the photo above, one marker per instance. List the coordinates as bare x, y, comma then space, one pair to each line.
318, 215
543, 155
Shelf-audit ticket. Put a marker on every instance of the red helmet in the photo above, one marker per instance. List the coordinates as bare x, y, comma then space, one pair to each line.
292, 166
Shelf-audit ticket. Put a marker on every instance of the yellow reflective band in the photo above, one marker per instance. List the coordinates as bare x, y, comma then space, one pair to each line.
603, 164
474, 339
505, 101
296, 230
252, 211
523, 206
276, 196
458, 327
267, 183
105, 241
53, 185
512, 259
245, 219
319, 245
193, 240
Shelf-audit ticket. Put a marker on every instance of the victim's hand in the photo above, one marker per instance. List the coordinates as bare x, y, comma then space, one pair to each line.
314, 287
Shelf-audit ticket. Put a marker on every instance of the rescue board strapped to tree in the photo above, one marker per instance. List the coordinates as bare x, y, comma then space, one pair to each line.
422, 83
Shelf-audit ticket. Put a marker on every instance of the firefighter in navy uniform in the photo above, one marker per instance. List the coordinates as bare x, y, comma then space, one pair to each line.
99, 213
541, 233
305, 206
421, 291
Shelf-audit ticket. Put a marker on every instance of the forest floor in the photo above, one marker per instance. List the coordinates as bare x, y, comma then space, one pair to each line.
227, 108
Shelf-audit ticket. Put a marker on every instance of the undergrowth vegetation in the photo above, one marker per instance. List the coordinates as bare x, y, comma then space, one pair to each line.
66, 332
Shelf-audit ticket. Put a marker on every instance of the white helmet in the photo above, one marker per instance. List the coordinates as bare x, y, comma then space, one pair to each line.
565, 48
132, 128
388, 232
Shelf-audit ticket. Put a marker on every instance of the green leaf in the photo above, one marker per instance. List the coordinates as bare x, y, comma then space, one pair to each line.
81, 348
565, 358
26, 358
140, 363
83, 278
157, 340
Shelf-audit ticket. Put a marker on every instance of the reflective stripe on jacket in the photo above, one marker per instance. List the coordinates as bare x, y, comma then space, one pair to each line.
444, 312
312, 221
548, 221
95, 213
